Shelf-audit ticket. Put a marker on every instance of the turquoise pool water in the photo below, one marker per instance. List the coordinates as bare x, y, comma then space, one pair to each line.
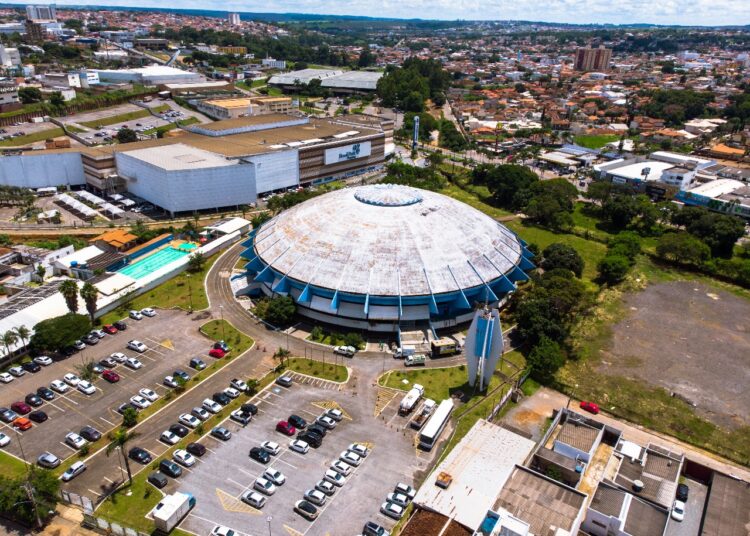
142, 268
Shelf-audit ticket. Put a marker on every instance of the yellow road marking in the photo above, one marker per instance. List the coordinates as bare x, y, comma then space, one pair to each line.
167, 343
293, 532
232, 504
330, 404
384, 398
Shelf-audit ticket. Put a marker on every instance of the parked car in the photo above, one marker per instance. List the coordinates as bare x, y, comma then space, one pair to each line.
107, 363
189, 420
120, 325
140, 455
298, 422
17, 371
45, 393
284, 381
682, 492
32, 367
306, 510
200, 413
90, 339
5, 377
179, 430
252, 409
337, 479
217, 353
98, 333
111, 376
157, 479
184, 376
38, 416
275, 476
238, 384
391, 510
89, 433
74, 440
169, 437
221, 398
359, 449
33, 400
197, 363
326, 422
139, 402
48, 460
231, 392
297, 445
137, 346
109, 329
119, 357
133, 363
183, 457
254, 499
221, 530
373, 529
271, 447
170, 468
341, 467
196, 449
148, 394
346, 351
22, 423
73, 471
260, 455
335, 414
4, 440
398, 498
43, 360
124, 406
86, 387
221, 345
22, 408
264, 485
71, 379
169, 381
79, 345
241, 417
211, 406
221, 433
148, 312
8, 415
315, 496
325, 487
135, 315
351, 458
590, 407
285, 428
678, 510
405, 489
311, 439
58, 386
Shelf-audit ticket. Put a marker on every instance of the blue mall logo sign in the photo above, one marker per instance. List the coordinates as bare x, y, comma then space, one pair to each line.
351, 154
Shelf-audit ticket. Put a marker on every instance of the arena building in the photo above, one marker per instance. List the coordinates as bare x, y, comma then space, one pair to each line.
384, 258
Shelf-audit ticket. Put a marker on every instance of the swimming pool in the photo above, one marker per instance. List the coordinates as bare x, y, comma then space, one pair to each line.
153, 262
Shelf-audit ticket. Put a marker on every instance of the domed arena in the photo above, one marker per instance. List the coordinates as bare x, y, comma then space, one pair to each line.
385, 258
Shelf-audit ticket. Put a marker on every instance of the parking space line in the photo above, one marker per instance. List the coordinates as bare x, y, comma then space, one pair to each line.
286, 462
241, 470
66, 445
237, 484
109, 480
96, 493
108, 422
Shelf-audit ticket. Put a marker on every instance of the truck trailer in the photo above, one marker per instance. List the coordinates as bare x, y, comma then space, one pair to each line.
410, 400
171, 509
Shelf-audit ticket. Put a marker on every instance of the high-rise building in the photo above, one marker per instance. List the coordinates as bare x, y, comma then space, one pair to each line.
35, 32
234, 19
593, 59
36, 12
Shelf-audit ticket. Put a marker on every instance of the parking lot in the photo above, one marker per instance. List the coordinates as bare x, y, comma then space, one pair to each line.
172, 338
226, 471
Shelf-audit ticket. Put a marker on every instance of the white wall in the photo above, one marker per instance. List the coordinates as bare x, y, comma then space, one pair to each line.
42, 170
275, 170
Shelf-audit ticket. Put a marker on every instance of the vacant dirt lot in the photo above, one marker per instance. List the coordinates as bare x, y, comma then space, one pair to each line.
691, 339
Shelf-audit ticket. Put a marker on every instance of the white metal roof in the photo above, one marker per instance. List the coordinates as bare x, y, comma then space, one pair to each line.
479, 465
229, 225
387, 240
635, 171
81, 256
179, 157
354, 80
304, 76
717, 188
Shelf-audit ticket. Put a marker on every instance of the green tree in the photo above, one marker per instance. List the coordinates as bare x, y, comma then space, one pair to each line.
626, 243
56, 333
196, 262
9, 338
509, 184
129, 417
126, 135
551, 203
544, 360
260, 218
366, 58
119, 440
683, 248
69, 290
719, 231
89, 294
29, 95
23, 333
280, 311
57, 100
559, 255
613, 268
450, 137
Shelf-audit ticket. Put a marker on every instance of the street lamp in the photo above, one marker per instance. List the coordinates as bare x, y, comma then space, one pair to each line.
269, 519
190, 291
221, 312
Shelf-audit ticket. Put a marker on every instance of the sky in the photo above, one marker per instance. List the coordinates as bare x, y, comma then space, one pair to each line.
684, 12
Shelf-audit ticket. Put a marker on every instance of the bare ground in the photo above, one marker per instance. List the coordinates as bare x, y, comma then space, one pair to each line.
692, 340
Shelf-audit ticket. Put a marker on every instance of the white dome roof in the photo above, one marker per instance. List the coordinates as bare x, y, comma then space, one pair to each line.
387, 240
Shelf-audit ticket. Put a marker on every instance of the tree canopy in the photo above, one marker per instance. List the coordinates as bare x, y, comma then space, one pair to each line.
56, 333
409, 86
558, 255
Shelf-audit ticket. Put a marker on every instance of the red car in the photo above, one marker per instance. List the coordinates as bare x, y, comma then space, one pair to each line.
285, 428
22, 408
109, 328
217, 353
111, 376
590, 407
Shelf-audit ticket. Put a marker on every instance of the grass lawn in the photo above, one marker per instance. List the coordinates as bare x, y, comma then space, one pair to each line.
12, 467
325, 371
218, 330
170, 294
122, 118
595, 141
31, 138
171, 126
470, 199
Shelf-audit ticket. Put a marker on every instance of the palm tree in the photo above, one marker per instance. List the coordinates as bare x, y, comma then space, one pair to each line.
9, 338
23, 333
69, 290
120, 438
89, 293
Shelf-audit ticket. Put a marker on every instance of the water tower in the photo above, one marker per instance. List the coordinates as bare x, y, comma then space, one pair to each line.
483, 346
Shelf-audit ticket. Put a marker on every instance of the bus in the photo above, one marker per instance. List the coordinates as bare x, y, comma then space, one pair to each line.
435, 426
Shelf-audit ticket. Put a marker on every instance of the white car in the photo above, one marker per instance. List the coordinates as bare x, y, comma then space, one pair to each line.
254, 499
189, 420
184, 458
239, 385
315, 496
133, 363
86, 388
201, 413
337, 479
265, 486
73, 471
137, 346
169, 381
335, 414
326, 487
346, 351
341, 467
43, 360
119, 357
231, 392
98, 333
5, 377
359, 449
149, 312
275, 476
212, 406
350, 457
148, 394
221, 530
406, 489
4, 440
58, 386
17, 371
71, 379
169, 438
398, 498
391, 510
678, 511
326, 422
297, 445
74, 440
271, 447
139, 402
135, 315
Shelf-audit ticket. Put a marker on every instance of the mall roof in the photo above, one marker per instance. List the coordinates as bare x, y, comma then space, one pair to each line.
637, 170
179, 157
304, 76
353, 80
388, 240
477, 472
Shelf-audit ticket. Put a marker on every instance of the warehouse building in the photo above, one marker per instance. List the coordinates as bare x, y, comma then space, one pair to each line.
385, 257
338, 82
152, 75
237, 107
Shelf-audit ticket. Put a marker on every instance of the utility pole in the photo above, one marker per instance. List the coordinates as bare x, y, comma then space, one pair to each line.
190, 291
221, 311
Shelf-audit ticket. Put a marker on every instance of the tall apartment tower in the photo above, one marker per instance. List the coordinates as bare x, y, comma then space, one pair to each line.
593, 59
234, 19
38, 12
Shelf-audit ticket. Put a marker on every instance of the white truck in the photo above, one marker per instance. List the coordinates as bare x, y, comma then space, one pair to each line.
416, 359
410, 400
404, 351
171, 509
427, 408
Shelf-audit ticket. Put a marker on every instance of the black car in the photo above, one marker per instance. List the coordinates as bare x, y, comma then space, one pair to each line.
140, 455
196, 449
179, 430
169, 468
311, 439
221, 433
37, 416
252, 409
260, 455
318, 430
122, 407
68, 351
181, 374
33, 400
120, 325
89, 433
373, 529
221, 398
91, 340
298, 422
157, 479
46, 393
682, 492
108, 362
197, 363
30, 366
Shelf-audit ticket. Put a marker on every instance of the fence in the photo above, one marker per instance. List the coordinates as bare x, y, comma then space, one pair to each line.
78, 500
107, 527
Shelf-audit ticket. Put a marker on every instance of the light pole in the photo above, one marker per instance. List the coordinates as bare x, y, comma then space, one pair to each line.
269, 519
221, 312
190, 292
